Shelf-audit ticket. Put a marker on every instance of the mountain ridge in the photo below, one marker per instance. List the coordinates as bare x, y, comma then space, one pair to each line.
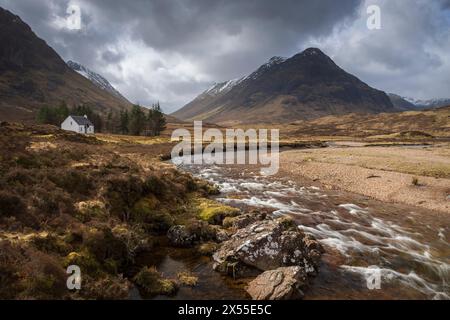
307, 85
32, 75
95, 78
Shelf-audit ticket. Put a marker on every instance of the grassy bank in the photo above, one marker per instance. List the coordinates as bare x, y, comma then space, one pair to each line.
68, 199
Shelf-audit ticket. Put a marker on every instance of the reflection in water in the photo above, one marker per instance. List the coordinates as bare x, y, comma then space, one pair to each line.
408, 247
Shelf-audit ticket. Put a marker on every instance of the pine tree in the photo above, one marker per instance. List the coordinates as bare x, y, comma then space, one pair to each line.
123, 121
136, 124
157, 120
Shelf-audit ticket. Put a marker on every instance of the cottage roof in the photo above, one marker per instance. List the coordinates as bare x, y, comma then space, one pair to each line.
82, 121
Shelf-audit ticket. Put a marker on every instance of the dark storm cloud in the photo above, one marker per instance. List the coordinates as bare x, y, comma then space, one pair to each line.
217, 39
170, 50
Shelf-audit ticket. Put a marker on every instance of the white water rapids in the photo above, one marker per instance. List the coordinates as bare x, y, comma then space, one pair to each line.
409, 250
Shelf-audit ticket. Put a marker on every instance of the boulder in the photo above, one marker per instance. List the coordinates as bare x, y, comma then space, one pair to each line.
181, 236
195, 232
268, 245
243, 220
284, 283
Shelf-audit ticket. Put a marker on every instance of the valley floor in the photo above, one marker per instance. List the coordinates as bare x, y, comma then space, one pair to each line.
414, 175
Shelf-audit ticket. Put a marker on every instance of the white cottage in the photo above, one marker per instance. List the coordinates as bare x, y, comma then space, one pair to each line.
78, 124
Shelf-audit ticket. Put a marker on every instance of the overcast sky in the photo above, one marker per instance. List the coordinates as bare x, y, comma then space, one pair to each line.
171, 50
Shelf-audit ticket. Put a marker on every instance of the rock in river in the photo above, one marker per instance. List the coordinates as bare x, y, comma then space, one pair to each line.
268, 245
195, 232
280, 284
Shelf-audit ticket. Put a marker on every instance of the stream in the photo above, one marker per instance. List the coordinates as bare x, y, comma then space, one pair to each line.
404, 247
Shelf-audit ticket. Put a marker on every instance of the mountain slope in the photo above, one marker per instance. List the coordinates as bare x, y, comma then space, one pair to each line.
32, 74
95, 78
305, 86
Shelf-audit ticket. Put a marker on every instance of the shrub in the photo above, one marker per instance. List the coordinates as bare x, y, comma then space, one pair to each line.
207, 248
151, 281
106, 288
51, 202
121, 193
11, 204
85, 260
155, 185
72, 181
108, 250
145, 212
415, 181
50, 243
187, 279
43, 278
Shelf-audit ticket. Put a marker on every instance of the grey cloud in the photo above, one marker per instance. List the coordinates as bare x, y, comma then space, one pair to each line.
184, 45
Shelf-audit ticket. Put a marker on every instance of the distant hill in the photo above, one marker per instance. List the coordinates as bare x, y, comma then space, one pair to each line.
405, 103
306, 86
435, 122
32, 74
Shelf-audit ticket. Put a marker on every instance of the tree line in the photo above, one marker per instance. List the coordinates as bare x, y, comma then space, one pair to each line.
134, 122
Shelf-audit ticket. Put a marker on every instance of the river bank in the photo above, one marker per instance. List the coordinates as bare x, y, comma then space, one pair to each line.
407, 244
412, 175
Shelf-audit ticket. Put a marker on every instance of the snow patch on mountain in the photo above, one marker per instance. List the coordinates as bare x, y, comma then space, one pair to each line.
95, 78
226, 86
430, 103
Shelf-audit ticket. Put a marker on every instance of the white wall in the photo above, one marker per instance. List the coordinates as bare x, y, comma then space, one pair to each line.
70, 125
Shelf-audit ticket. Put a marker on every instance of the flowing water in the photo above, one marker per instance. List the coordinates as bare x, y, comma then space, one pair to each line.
405, 248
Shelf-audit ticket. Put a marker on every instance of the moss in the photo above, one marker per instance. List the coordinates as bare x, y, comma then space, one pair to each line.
145, 212
152, 282
214, 212
187, 279
85, 260
288, 223
207, 248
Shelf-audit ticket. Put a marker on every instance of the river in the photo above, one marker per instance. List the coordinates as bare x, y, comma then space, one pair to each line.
403, 247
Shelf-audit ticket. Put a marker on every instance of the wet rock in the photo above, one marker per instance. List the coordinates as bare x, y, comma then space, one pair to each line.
181, 236
284, 283
268, 245
242, 221
195, 232
220, 234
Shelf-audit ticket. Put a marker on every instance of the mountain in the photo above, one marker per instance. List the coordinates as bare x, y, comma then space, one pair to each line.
95, 78
405, 103
428, 104
32, 74
400, 103
306, 86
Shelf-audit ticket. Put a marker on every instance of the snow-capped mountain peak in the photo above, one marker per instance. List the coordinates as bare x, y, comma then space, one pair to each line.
95, 78
429, 103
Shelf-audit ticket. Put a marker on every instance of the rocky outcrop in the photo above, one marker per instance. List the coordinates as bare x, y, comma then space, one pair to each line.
267, 245
280, 284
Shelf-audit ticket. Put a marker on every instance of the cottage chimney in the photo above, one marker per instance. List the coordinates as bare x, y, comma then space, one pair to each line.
85, 116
